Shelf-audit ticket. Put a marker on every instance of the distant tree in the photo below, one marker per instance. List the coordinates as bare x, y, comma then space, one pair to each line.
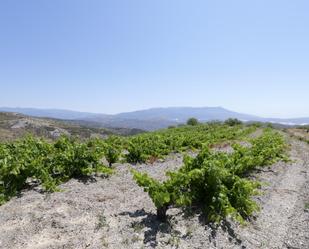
269, 125
192, 121
233, 122
214, 122
256, 124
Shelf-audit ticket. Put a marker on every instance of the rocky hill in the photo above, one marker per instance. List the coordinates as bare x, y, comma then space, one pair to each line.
14, 125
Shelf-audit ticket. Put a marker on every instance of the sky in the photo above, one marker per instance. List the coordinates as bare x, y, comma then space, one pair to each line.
111, 56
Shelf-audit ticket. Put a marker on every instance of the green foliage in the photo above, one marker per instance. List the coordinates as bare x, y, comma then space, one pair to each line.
158, 192
112, 149
111, 154
233, 122
158, 144
256, 124
20, 160
49, 163
269, 125
216, 180
136, 151
192, 121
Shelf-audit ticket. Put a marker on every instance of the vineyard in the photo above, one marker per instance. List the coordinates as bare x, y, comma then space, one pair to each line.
33, 159
169, 188
216, 180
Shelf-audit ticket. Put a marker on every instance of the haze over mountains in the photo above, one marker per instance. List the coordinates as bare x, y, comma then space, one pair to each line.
150, 119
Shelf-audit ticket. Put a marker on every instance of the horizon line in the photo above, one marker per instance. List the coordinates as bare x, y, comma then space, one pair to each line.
145, 109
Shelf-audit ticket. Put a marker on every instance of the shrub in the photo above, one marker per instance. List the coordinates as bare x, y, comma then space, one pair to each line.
233, 122
112, 149
48, 163
112, 154
136, 152
192, 121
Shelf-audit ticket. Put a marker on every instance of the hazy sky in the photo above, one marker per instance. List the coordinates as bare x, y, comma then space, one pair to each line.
118, 55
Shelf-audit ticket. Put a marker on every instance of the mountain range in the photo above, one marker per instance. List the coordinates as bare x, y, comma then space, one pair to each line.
150, 119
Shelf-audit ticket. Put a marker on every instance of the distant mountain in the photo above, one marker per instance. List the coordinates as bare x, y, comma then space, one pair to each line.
182, 114
50, 113
151, 119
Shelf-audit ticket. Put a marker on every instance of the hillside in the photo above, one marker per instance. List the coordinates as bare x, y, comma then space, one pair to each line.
151, 119
50, 113
14, 125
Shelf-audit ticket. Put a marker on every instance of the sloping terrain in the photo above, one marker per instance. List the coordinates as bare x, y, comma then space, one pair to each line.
14, 125
116, 213
151, 119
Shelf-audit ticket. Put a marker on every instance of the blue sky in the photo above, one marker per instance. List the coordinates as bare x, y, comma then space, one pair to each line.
111, 56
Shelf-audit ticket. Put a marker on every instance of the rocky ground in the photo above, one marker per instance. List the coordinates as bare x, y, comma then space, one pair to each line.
116, 213
14, 126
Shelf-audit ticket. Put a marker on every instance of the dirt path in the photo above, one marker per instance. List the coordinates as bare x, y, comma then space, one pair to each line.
116, 213
283, 221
